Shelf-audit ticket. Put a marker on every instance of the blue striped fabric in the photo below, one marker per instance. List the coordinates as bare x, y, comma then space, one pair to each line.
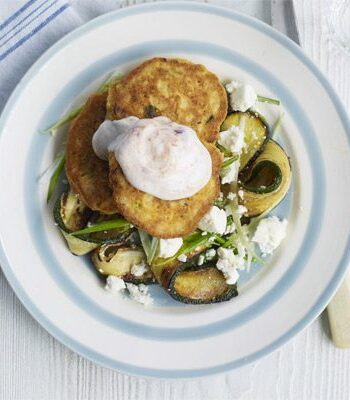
26, 22
29, 27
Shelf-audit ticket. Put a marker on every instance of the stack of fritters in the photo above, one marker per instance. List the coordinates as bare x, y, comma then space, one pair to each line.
186, 93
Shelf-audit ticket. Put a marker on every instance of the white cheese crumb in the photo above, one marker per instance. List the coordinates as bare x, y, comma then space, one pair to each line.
204, 233
241, 194
232, 139
200, 260
182, 258
230, 228
230, 174
210, 254
241, 210
114, 284
139, 293
169, 247
231, 195
214, 221
269, 234
221, 196
242, 96
139, 269
228, 263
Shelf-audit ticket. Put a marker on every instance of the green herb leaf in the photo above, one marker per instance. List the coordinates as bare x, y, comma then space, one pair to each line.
103, 226
263, 99
55, 176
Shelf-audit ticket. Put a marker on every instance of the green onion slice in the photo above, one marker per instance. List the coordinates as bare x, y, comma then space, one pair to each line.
55, 177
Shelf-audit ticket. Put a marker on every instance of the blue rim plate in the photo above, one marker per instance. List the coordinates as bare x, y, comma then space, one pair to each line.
300, 279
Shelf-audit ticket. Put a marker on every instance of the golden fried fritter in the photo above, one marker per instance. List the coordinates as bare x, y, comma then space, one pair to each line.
186, 93
87, 174
163, 218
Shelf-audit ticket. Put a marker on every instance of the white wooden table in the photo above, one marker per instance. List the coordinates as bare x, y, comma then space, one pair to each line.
35, 366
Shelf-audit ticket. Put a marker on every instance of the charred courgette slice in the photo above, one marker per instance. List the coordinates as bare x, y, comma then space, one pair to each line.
200, 285
255, 133
266, 180
71, 214
116, 260
189, 283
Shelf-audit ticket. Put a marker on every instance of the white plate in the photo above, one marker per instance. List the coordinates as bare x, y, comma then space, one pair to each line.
173, 340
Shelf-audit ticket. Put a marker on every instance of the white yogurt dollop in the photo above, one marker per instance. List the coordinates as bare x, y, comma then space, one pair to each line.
157, 156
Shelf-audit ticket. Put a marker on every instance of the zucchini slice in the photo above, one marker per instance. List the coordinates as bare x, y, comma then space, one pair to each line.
266, 180
116, 260
192, 284
200, 285
255, 133
71, 214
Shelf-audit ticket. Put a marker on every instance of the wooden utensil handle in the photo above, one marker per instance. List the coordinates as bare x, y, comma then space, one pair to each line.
339, 314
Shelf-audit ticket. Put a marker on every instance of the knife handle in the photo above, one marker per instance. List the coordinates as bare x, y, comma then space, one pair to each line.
339, 314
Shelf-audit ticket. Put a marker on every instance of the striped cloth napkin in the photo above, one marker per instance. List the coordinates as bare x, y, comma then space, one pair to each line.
29, 27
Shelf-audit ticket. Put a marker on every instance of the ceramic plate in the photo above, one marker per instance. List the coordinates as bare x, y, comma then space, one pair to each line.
172, 340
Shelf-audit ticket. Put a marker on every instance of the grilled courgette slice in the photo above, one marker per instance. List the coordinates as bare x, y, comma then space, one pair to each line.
255, 133
116, 260
189, 283
200, 285
266, 180
71, 215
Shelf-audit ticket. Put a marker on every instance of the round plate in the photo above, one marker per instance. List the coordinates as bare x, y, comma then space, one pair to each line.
171, 339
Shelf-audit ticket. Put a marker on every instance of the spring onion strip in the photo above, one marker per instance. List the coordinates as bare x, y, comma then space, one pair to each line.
103, 226
150, 245
228, 162
112, 78
191, 242
263, 99
62, 121
153, 250
223, 150
55, 176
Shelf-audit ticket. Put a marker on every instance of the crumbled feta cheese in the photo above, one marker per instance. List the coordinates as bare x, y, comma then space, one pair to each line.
200, 260
139, 269
241, 210
231, 195
169, 247
230, 228
230, 174
114, 284
242, 96
228, 263
241, 194
210, 254
214, 221
182, 258
232, 139
139, 293
269, 234
204, 233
